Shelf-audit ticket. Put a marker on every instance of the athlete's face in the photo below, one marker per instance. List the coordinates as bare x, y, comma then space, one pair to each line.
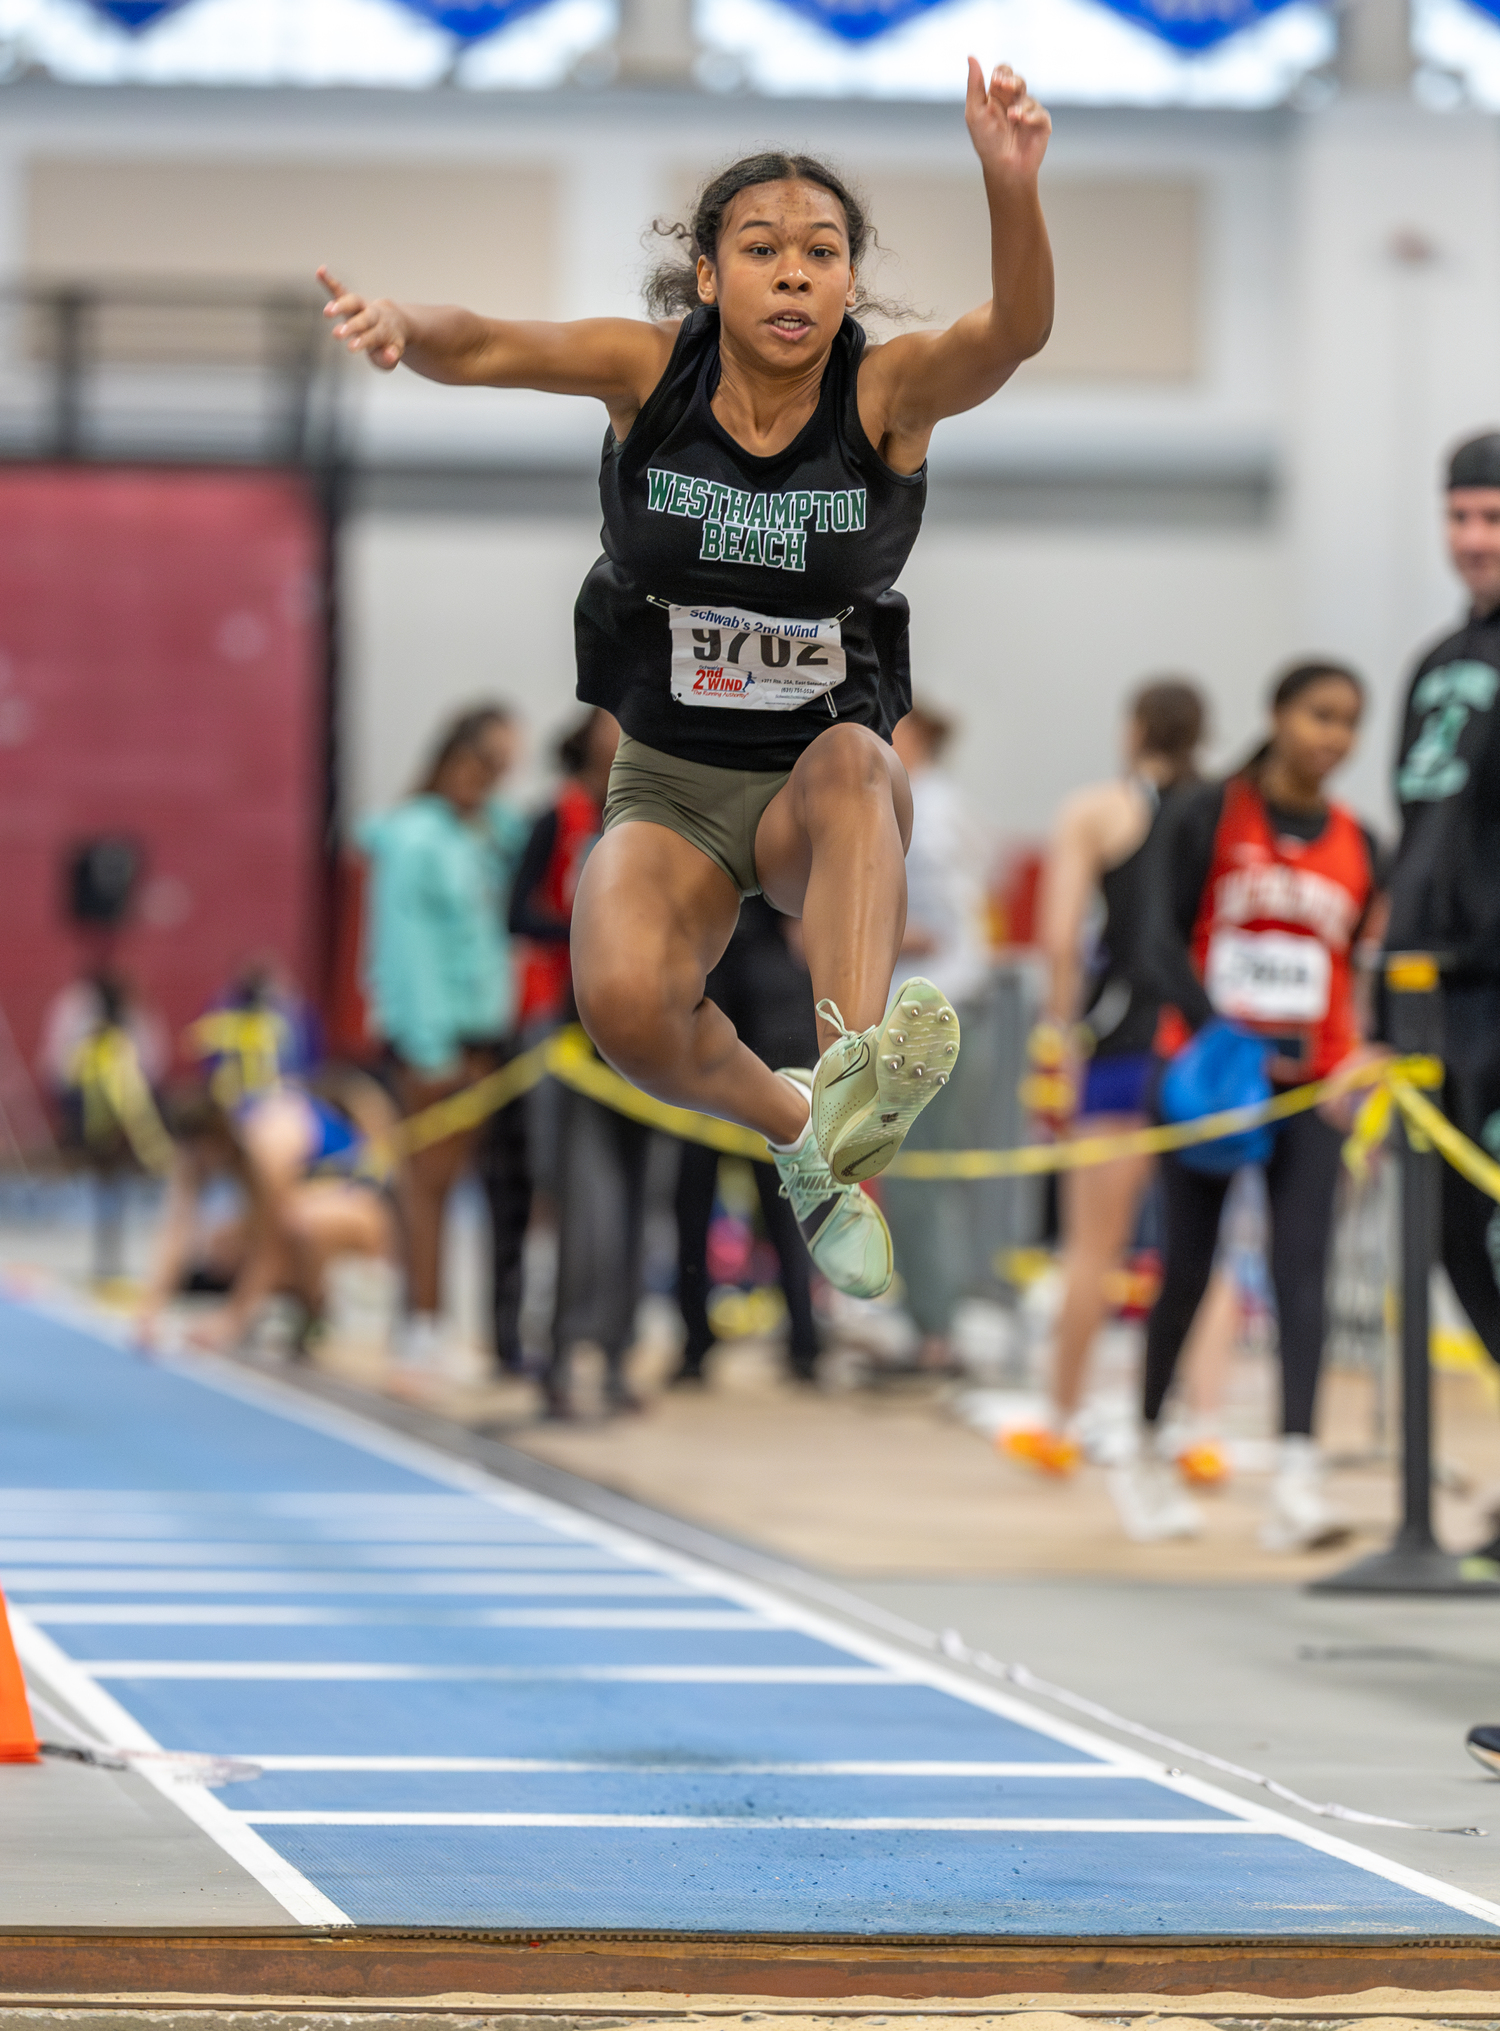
1316, 730
1474, 542
781, 275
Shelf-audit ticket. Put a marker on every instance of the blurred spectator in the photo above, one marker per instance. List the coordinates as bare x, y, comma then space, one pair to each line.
102, 1056
296, 1197
1445, 884
762, 984
931, 1223
102, 1000
503, 1156
260, 1030
438, 979
1259, 889
1092, 1048
546, 881
593, 1159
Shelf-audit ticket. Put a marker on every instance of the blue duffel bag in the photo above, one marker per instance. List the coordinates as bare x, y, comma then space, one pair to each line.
1223, 1066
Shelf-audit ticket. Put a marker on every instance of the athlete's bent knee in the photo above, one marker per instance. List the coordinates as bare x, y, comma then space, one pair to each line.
626, 1019
847, 759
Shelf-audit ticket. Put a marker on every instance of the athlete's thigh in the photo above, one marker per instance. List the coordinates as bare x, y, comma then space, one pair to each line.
651, 918
834, 766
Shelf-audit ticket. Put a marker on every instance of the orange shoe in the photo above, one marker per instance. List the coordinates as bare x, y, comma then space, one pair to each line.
1041, 1447
1203, 1465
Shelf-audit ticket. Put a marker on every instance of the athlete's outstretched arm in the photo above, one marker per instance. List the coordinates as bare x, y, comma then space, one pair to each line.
617, 360
916, 380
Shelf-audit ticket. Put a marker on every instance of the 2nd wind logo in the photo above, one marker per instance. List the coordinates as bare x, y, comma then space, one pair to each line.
722, 680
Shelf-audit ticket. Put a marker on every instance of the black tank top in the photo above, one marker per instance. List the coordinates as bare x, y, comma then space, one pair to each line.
1121, 1011
817, 533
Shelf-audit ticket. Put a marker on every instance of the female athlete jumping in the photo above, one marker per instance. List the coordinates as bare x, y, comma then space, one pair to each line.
763, 481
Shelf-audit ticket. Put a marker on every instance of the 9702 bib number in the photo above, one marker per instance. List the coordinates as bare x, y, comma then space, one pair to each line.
748, 662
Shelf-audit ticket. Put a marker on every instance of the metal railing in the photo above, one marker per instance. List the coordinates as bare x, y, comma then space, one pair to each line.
166, 372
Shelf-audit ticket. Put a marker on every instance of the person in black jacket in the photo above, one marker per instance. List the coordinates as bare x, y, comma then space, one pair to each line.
1445, 888
766, 992
1445, 885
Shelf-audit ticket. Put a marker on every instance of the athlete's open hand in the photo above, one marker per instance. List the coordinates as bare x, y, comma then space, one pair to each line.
376, 329
1007, 126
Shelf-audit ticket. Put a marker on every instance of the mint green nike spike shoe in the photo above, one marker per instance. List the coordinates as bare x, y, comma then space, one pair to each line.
870, 1085
844, 1229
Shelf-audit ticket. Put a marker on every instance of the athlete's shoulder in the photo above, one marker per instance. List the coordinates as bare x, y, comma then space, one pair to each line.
1080, 805
670, 353
1096, 810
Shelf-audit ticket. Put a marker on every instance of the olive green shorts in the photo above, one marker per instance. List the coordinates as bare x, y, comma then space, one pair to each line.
716, 810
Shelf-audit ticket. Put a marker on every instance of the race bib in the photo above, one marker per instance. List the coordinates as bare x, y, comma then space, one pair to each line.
723, 657
1268, 976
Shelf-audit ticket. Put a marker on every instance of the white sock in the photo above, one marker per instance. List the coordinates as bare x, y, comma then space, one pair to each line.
788, 1149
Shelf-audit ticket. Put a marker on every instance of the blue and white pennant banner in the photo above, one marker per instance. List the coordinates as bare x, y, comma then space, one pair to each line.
466, 23
1188, 25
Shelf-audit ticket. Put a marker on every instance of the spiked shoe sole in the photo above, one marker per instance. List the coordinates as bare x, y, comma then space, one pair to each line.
915, 1053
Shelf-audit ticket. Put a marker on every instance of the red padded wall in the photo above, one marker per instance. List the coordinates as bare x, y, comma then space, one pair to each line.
161, 674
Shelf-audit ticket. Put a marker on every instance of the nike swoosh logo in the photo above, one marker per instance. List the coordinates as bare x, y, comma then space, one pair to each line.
850, 1071
869, 1163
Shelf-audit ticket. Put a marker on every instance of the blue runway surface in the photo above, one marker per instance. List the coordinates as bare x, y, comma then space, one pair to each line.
475, 1708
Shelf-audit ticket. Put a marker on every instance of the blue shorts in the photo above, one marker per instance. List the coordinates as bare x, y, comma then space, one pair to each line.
1117, 1085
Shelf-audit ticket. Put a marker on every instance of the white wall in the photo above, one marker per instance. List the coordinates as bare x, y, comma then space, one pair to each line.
1034, 639
440, 611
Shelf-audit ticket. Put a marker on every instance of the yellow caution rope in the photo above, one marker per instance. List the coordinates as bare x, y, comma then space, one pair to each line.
114, 1088
569, 1057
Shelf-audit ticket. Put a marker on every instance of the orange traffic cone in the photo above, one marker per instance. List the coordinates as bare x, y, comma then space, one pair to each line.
17, 1735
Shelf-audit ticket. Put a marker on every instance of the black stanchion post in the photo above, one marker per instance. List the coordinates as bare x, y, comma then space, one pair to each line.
1415, 1563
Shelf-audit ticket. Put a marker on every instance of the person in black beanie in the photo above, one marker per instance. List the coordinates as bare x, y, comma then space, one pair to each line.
1445, 884
1445, 890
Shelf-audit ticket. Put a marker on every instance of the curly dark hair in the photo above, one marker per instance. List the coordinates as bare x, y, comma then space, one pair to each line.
672, 286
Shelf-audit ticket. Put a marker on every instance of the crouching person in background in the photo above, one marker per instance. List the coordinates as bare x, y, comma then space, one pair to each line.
262, 1199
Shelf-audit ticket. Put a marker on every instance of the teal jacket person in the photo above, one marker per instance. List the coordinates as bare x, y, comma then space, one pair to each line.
437, 961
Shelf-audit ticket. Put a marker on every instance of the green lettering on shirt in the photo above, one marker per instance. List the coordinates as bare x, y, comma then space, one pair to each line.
1433, 768
739, 527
